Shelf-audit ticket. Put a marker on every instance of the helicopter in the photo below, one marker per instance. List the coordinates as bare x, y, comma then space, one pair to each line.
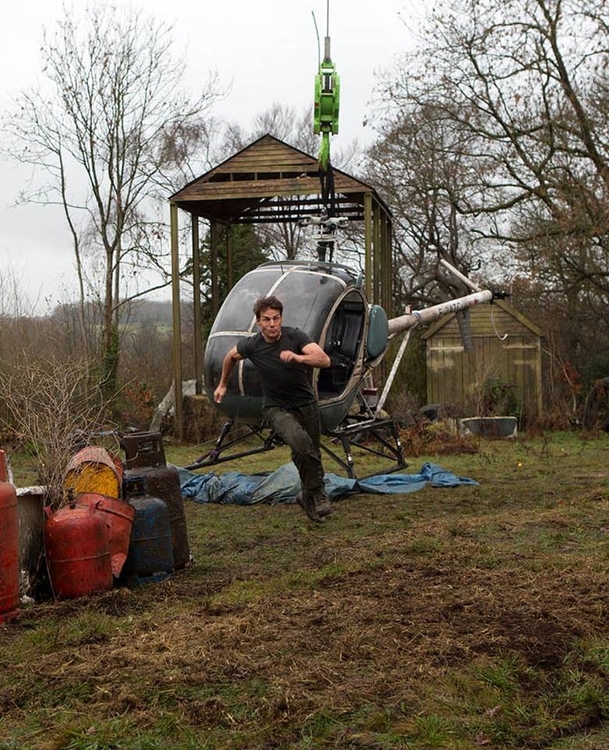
328, 301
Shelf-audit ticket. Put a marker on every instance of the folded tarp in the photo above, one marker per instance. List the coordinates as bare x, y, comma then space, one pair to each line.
283, 484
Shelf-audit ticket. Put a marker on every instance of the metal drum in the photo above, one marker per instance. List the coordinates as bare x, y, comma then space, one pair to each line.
93, 469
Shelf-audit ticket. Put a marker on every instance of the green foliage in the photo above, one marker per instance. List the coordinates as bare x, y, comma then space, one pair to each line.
239, 251
499, 399
596, 365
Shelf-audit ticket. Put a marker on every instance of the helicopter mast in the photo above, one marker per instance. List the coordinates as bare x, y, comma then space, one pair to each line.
325, 123
327, 100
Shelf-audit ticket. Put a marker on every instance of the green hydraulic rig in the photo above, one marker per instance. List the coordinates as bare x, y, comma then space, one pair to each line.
325, 123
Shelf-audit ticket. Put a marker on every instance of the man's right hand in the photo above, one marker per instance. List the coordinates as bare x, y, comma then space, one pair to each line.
219, 393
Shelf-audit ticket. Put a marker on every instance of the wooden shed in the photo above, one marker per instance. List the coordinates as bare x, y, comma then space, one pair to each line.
506, 349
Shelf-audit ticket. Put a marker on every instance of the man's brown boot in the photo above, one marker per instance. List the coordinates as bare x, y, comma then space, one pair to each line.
309, 508
323, 506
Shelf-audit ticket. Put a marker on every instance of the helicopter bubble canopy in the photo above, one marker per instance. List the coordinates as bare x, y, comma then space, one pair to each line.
327, 301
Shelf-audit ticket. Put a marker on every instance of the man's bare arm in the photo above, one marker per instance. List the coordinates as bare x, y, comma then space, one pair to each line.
228, 364
312, 355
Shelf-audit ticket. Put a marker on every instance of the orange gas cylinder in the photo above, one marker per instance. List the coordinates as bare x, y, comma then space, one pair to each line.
118, 517
9, 546
78, 552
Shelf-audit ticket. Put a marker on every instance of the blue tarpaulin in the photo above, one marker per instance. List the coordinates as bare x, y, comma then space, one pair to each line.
283, 484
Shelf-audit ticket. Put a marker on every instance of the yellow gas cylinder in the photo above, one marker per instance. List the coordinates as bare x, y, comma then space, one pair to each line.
93, 469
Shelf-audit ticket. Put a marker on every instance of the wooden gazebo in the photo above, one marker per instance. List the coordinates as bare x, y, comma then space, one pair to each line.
270, 182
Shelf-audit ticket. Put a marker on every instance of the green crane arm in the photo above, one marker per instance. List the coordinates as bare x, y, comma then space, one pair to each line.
327, 104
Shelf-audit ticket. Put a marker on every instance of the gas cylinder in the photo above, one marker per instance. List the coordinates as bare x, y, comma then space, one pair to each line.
118, 517
94, 469
78, 552
145, 457
151, 548
9, 546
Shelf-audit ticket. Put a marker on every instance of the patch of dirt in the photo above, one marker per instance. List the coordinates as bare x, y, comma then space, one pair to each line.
371, 635
437, 438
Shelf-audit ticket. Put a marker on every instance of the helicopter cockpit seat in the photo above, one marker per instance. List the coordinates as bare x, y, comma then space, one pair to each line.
344, 341
342, 346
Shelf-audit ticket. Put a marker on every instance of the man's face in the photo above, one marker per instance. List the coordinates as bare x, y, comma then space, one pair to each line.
269, 323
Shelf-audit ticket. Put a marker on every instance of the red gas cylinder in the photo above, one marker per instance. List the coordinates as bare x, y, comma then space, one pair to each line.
118, 517
78, 552
9, 546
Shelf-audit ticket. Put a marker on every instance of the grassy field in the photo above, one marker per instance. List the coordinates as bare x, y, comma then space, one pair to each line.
458, 618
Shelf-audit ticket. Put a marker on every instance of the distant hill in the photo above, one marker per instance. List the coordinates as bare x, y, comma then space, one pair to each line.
144, 312
138, 313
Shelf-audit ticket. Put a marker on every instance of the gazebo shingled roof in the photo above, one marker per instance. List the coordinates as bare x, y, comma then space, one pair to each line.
269, 181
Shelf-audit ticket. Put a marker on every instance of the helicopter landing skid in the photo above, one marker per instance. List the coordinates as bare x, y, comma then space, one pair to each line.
215, 456
356, 431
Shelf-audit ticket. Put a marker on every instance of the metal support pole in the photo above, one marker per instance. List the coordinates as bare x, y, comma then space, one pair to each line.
468, 283
394, 368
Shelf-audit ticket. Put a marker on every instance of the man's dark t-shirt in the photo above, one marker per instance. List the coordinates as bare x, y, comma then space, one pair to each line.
284, 384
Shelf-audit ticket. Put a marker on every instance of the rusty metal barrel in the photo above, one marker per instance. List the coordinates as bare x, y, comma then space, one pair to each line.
93, 469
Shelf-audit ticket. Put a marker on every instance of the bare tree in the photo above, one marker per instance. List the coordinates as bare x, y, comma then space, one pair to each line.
54, 407
111, 128
521, 88
525, 84
421, 166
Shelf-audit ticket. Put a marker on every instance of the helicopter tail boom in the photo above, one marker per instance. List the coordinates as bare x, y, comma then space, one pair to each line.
431, 314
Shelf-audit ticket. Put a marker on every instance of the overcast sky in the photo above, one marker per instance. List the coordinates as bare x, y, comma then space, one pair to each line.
265, 50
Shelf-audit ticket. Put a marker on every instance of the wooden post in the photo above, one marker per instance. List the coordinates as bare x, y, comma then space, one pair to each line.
387, 255
197, 346
368, 229
377, 255
177, 323
230, 273
213, 236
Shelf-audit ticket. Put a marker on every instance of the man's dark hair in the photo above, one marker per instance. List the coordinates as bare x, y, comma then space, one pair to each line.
266, 303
